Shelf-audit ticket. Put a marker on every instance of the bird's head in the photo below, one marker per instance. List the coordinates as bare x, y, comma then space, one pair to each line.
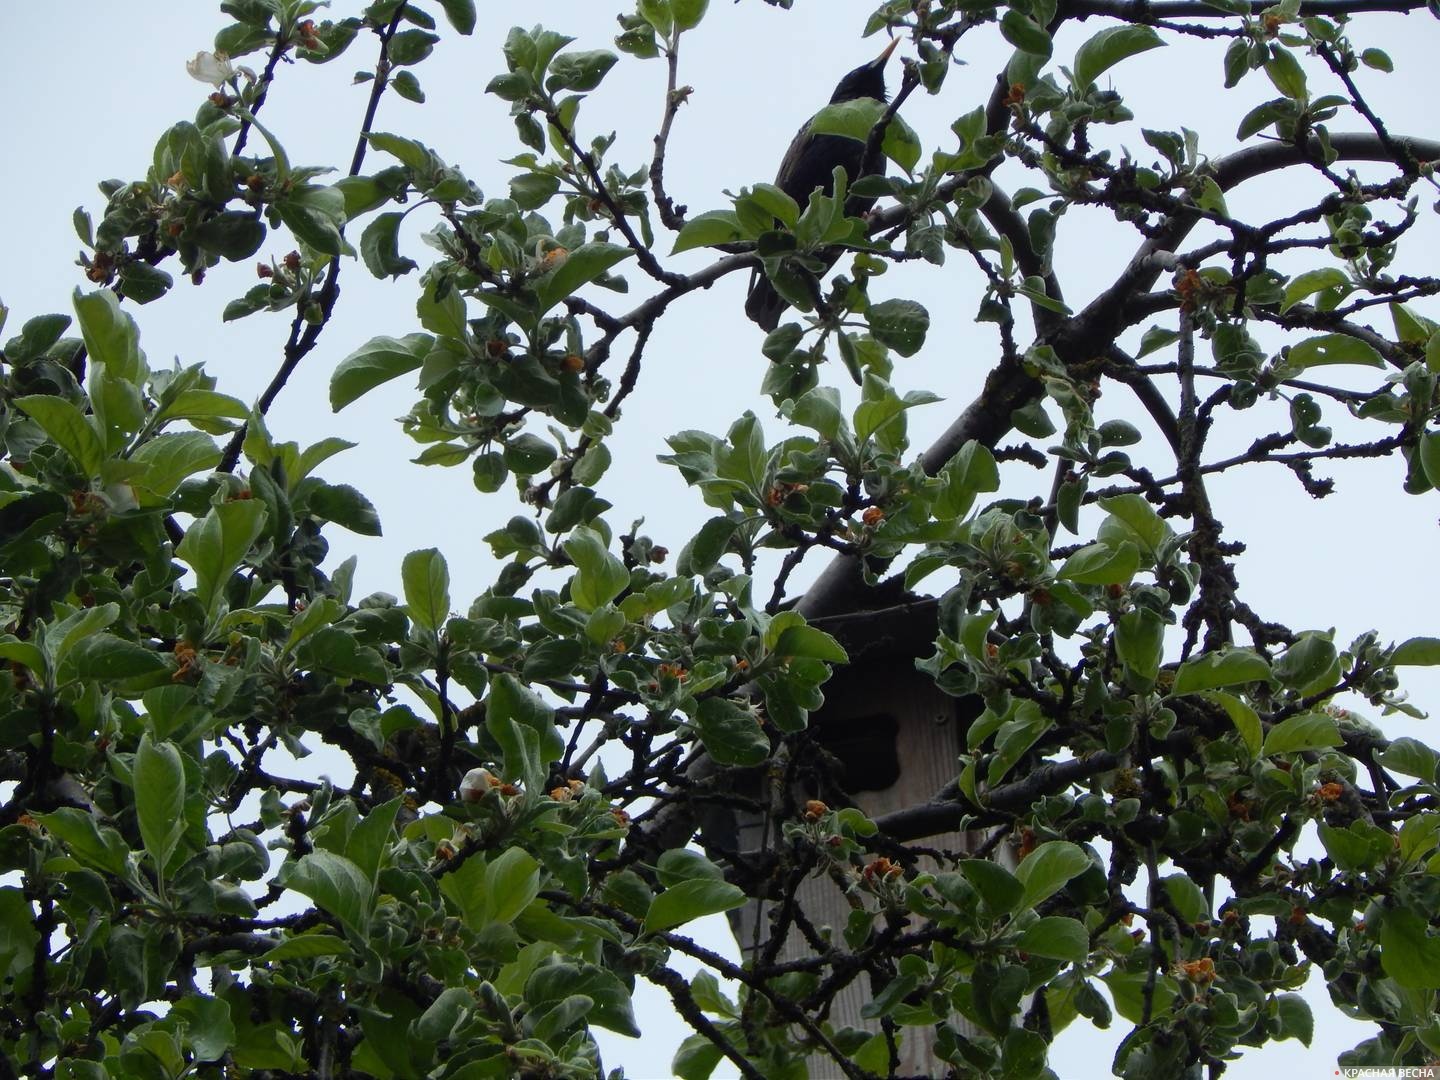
867, 80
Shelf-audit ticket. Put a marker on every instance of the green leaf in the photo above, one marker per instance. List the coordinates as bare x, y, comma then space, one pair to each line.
1186, 897
1014, 738
110, 658
532, 190
1417, 651
1025, 34
444, 316
411, 153
553, 658
851, 119
203, 405
94, 845
314, 214
528, 454
1245, 719
881, 407
305, 946
1311, 282
812, 642
68, 428
1047, 869
1132, 517
1411, 757
379, 246
1107, 48
1409, 953
1296, 1020
899, 324
1308, 731
18, 935
337, 885
461, 14
971, 471
111, 336
730, 732
65, 635
600, 576
1057, 938
691, 900
688, 13
1218, 669
1378, 59
1419, 835
1263, 115
1101, 564
998, 888
581, 266
707, 229
143, 283
1430, 455
1332, 349
370, 839
1350, 851
427, 588
36, 337
411, 46
159, 778
25, 654
1139, 640
169, 458
682, 864
377, 361
208, 1028
346, 507
659, 15
707, 547
777, 203
216, 544
511, 702
512, 881
579, 70
1286, 73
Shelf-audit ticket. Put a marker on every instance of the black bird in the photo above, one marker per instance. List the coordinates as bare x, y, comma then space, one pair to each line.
810, 163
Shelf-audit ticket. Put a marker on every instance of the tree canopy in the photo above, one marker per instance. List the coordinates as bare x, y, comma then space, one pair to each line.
542, 783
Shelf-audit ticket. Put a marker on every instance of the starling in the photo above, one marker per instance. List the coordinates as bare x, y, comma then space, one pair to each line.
810, 163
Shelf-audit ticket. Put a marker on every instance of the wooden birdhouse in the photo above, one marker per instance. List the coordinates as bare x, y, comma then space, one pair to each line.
891, 741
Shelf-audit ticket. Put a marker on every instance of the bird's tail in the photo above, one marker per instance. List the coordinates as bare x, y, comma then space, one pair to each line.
763, 304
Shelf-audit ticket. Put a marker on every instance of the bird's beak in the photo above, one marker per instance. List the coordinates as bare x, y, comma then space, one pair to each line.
879, 61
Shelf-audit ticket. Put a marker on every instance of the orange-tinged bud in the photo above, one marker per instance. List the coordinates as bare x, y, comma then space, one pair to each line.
1202, 970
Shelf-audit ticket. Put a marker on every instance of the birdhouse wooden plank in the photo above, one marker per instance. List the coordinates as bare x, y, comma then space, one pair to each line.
893, 740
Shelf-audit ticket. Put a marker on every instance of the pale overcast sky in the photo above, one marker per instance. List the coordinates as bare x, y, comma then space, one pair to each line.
89, 85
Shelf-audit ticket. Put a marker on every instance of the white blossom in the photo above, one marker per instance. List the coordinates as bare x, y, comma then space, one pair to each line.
215, 68
476, 783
